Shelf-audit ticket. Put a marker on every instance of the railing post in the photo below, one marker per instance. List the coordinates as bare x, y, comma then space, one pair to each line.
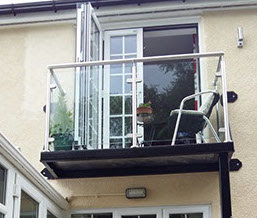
48, 99
225, 100
134, 105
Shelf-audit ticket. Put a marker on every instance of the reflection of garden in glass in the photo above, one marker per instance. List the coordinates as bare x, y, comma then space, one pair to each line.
165, 85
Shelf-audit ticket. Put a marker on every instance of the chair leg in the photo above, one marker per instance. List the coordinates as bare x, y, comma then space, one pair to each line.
201, 136
212, 129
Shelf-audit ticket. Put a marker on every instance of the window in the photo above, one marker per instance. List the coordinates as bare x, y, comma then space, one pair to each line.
200, 211
188, 215
1, 215
140, 216
100, 215
50, 215
3, 175
29, 207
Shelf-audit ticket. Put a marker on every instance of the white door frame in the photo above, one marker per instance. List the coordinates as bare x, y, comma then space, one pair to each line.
106, 92
160, 211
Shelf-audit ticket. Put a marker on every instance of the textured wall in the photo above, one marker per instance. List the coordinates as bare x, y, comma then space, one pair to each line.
220, 33
163, 190
24, 55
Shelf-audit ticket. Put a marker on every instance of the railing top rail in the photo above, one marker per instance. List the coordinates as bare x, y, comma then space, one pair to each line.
137, 60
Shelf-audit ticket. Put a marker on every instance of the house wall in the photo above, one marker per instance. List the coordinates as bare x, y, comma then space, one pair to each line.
220, 33
27, 50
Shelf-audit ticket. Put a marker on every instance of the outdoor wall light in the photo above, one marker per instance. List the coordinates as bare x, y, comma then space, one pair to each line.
240, 37
134, 193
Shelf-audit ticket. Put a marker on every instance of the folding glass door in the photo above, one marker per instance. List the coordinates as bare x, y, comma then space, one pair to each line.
88, 80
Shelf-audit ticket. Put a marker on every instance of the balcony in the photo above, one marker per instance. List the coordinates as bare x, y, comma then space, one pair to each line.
96, 125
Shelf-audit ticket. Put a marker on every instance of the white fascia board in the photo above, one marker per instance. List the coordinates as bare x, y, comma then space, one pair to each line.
15, 157
174, 6
40, 17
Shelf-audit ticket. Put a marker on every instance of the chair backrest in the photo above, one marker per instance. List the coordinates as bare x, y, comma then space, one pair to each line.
209, 103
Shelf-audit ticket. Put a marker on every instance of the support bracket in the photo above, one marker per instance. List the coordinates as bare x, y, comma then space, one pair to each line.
232, 97
235, 165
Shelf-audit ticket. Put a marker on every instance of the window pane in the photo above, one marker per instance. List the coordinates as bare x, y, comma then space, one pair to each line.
177, 216
135, 216
189, 215
116, 45
116, 126
116, 143
128, 125
116, 68
128, 66
115, 105
3, 174
102, 215
128, 105
116, 85
50, 215
128, 142
107, 215
148, 216
130, 44
128, 86
195, 215
29, 207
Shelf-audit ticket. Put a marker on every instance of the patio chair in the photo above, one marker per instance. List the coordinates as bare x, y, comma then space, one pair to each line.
191, 122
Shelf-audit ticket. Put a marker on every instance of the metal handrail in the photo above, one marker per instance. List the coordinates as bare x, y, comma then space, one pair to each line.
137, 60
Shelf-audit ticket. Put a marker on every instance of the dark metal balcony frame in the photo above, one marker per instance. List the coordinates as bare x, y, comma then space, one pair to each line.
155, 160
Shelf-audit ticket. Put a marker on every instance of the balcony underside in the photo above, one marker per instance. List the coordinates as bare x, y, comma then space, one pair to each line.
136, 161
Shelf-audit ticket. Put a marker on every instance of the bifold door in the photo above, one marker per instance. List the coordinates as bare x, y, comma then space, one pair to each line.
88, 79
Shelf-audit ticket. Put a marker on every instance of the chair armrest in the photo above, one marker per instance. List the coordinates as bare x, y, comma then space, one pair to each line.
187, 112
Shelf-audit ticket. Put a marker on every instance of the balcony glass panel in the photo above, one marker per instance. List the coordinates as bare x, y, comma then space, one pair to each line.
91, 107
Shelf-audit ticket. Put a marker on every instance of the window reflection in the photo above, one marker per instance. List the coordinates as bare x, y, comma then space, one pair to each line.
29, 207
50, 215
189, 215
3, 174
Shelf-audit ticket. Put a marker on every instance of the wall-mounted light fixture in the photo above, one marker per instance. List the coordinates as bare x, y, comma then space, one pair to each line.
240, 37
134, 193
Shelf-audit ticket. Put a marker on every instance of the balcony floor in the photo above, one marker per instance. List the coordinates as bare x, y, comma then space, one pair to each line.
135, 161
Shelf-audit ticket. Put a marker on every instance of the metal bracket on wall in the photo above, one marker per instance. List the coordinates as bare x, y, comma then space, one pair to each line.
45, 172
44, 108
232, 97
235, 165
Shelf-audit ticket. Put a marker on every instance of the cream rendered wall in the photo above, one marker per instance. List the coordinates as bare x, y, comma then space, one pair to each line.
162, 190
25, 52
220, 33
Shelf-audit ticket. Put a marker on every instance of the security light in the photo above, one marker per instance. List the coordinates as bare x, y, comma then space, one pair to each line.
134, 193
